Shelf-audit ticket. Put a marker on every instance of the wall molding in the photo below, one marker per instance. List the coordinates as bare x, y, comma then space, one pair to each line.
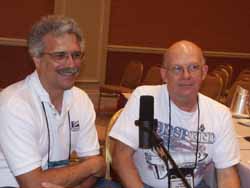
90, 81
23, 42
4, 41
150, 50
88, 84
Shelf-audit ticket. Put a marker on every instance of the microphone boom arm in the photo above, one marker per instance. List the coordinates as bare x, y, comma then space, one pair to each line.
157, 144
165, 156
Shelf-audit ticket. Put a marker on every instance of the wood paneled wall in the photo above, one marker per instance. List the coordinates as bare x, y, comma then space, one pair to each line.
15, 64
220, 27
215, 25
16, 18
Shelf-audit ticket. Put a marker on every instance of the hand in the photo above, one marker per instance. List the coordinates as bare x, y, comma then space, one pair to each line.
51, 185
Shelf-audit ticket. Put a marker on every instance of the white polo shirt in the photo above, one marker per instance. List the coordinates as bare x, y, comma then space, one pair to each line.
24, 133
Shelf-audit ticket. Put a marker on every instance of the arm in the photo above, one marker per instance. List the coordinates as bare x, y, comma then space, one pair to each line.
66, 176
228, 177
91, 180
122, 163
50, 185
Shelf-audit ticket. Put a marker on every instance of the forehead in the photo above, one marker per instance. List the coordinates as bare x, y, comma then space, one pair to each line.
63, 42
183, 56
184, 59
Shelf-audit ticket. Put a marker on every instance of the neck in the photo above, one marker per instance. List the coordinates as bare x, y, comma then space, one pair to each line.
189, 105
56, 99
55, 94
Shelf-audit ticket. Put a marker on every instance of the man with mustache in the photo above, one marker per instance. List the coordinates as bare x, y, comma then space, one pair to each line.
44, 117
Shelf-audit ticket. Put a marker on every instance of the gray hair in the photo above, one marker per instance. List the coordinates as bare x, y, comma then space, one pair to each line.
55, 25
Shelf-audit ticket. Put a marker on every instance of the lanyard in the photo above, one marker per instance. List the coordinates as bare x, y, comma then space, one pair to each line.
198, 126
52, 164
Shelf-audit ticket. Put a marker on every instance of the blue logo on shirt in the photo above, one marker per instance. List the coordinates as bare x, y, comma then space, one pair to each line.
75, 126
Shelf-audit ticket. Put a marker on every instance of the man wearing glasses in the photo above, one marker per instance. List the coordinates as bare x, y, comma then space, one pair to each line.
44, 117
196, 130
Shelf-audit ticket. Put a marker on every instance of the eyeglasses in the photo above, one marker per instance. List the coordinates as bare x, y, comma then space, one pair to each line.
62, 57
178, 69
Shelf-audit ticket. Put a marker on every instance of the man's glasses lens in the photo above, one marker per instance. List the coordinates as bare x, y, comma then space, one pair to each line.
63, 56
192, 68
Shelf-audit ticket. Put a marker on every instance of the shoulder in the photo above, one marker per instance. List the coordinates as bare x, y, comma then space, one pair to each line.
213, 106
153, 90
81, 98
16, 94
77, 92
18, 106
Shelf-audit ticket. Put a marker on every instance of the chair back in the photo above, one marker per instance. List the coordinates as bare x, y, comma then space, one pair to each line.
229, 69
225, 76
153, 76
132, 75
108, 143
212, 86
244, 75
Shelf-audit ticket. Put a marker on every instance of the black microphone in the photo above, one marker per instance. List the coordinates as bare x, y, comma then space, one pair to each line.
147, 124
148, 138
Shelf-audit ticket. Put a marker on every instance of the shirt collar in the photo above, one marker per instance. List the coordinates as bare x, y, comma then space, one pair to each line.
36, 84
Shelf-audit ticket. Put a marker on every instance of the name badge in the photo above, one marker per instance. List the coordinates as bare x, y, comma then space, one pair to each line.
57, 164
176, 182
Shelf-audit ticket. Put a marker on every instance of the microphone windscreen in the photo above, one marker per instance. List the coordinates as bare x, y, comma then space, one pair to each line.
146, 108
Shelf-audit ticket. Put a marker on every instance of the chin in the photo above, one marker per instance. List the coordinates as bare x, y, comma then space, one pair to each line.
68, 86
186, 94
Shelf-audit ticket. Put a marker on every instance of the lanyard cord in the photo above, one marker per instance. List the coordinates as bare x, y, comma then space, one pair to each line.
198, 126
69, 136
198, 133
47, 124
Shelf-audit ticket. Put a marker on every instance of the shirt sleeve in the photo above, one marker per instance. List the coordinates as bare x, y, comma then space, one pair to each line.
18, 137
226, 150
125, 129
87, 142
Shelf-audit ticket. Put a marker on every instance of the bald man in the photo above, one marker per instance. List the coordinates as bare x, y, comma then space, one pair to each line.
196, 130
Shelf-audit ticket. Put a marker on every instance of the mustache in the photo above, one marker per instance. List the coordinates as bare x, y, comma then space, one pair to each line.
68, 70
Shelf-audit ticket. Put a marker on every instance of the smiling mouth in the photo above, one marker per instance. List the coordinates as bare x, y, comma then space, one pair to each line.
68, 71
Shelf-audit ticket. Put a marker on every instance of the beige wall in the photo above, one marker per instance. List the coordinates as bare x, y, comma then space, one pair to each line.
92, 16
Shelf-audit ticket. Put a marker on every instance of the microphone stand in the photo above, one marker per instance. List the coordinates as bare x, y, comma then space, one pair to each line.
165, 156
149, 126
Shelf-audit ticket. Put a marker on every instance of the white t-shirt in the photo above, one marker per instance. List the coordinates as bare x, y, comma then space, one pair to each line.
217, 141
24, 133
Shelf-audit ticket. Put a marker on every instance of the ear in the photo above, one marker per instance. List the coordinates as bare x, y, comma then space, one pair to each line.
37, 62
204, 71
163, 72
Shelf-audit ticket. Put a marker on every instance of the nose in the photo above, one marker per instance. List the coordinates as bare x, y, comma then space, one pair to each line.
186, 73
70, 61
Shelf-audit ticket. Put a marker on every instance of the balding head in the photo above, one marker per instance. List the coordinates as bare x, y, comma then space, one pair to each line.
181, 49
183, 70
